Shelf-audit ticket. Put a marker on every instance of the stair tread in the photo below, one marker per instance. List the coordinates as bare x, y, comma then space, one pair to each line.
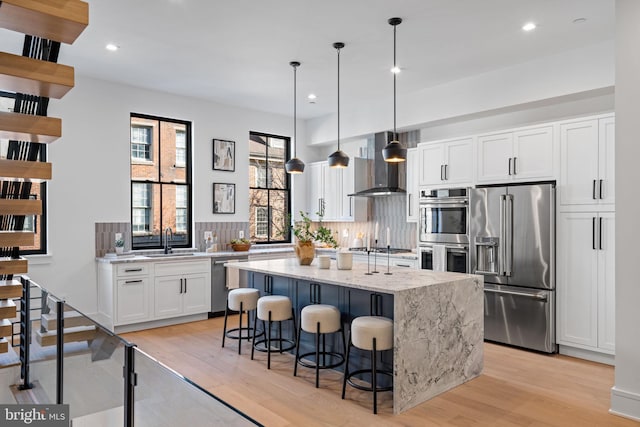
35, 76
10, 239
26, 127
13, 266
20, 207
19, 170
66, 331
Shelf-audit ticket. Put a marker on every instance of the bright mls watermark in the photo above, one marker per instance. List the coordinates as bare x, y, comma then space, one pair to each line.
34, 415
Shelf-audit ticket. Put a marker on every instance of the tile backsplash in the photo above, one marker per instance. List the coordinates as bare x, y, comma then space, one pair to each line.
106, 236
225, 231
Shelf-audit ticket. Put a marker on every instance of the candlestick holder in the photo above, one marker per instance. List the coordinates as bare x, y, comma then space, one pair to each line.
375, 257
388, 273
368, 273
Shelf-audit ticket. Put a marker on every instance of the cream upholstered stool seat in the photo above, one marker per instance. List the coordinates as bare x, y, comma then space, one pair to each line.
320, 319
273, 308
375, 334
241, 300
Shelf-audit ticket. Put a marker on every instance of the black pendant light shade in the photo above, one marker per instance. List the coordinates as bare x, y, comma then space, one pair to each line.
394, 152
295, 165
338, 159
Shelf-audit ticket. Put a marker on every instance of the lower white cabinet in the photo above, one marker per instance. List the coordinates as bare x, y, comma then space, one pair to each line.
130, 293
586, 280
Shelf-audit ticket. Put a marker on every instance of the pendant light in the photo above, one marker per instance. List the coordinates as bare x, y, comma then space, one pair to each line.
338, 159
295, 165
394, 152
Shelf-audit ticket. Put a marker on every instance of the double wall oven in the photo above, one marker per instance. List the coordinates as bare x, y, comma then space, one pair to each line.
443, 229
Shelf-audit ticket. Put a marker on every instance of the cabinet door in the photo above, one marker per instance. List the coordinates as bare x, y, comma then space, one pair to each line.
606, 282
132, 300
332, 193
315, 188
578, 163
431, 164
533, 152
459, 161
196, 296
494, 152
577, 288
167, 296
412, 185
606, 161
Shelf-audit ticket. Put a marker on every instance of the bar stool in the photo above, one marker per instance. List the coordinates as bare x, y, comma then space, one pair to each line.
273, 308
319, 319
375, 334
241, 300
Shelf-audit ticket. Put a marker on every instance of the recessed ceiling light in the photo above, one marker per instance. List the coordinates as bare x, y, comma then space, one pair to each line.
112, 47
529, 26
312, 98
395, 70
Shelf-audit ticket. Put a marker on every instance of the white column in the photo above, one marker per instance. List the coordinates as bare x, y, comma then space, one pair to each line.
625, 394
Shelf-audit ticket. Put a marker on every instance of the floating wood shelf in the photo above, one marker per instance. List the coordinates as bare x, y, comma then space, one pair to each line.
10, 239
12, 170
13, 266
34, 77
5, 328
20, 207
59, 20
10, 289
25, 127
7, 309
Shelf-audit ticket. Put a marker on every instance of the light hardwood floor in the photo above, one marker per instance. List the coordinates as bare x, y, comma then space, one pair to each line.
516, 388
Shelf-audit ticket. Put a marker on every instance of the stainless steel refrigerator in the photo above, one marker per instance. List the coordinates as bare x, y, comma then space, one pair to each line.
512, 244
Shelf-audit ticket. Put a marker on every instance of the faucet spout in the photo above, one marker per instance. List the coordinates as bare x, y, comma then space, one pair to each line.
168, 236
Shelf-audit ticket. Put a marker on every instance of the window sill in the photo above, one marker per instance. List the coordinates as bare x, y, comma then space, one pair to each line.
43, 259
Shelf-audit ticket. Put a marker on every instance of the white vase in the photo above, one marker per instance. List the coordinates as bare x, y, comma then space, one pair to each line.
344, 260
119, 249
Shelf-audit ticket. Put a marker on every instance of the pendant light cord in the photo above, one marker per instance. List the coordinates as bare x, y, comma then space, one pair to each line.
338, 49
394, 83
295, 139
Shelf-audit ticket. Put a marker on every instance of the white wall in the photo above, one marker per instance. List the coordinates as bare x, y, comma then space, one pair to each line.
625, 395
91, 171
572, 72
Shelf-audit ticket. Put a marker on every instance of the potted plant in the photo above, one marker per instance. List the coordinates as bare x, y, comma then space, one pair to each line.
119, 243
306, 238
240, 244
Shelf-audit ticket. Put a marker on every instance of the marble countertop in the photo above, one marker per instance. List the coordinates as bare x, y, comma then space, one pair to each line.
400, 255
188, 255
401, 279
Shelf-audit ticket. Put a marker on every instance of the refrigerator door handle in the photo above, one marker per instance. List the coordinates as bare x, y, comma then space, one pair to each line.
509, 235
502, 252
539, 296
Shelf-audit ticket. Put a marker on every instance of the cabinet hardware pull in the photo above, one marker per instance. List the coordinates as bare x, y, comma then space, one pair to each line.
600, 234
131, 270
441, 173
593, 192
134, 281
515, 170
509, 165
409, 204
601, 189
593, 232
403, 265
180, 285
185, 285
446, 173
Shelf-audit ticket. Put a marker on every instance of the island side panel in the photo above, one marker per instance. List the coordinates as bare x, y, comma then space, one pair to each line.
438, 334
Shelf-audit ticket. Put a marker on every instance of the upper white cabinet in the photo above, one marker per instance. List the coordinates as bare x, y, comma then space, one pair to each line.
328, 189
412, 184
446, 163
587, 163
520, 155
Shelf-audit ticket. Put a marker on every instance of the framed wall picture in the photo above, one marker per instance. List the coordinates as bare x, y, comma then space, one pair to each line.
224, 155
224, 198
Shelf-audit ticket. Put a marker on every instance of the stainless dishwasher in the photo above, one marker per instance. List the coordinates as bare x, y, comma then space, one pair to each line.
219, 283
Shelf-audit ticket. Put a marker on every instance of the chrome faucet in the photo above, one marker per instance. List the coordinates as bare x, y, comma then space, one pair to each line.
167, 240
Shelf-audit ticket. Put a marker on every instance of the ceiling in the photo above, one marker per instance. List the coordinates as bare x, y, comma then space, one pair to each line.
238, 52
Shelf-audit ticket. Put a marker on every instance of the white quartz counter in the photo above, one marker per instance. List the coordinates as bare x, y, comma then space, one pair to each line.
185, 256
401, 279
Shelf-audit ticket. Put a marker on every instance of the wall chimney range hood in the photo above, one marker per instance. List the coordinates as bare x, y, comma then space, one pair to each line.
387, 179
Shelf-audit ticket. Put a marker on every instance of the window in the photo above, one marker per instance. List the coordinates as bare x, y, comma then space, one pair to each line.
181, 148
160, 181
269, 192
140, 143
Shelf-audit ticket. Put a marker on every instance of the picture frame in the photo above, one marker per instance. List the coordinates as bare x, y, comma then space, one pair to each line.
224, 155
224, 198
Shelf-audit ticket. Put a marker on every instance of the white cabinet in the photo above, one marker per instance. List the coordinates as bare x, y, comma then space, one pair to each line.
182, 288
587, 162
412, 185
585, 280
446, 163
328, 189
136, 292
521, 155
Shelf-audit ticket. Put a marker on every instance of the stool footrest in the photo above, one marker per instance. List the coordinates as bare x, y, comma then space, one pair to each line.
321, 354
368, 371
261, 345
236, 336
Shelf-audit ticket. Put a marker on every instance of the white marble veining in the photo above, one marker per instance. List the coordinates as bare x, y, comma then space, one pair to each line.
438, 322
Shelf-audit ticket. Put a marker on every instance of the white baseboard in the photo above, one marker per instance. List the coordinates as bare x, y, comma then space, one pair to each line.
625, 403
593, 356
159, 323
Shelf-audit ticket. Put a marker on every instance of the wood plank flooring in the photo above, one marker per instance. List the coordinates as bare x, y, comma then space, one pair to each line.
516, 388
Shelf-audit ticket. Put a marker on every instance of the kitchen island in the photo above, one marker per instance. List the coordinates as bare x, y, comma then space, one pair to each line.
438, 318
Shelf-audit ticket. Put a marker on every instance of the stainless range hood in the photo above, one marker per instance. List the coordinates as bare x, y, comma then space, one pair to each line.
387, 179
